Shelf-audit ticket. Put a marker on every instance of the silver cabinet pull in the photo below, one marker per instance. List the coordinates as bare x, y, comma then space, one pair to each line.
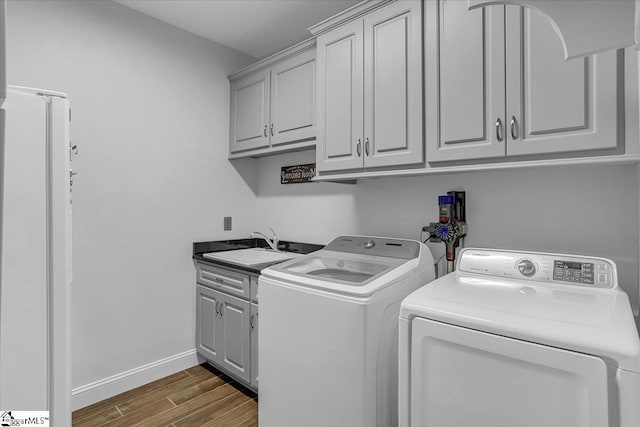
271, 128
499, 129
358, 147
366, 146
251, 321
264, 131
221, 306
217, 310
514, 127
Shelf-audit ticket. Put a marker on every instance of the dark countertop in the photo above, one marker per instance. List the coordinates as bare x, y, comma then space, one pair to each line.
200, 248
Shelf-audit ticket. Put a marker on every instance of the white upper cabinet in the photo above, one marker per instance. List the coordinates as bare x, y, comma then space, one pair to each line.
555, 105
497, 84
292, 111
370, 90
250, 112
393, 85
340, 98
273, 103
465, 75
585, 27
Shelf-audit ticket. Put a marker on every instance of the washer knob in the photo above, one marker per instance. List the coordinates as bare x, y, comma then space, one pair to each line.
527, 267
369, 244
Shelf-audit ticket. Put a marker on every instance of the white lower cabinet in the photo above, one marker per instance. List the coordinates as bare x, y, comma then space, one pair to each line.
207, 322
234, 334
226, 331
253, 323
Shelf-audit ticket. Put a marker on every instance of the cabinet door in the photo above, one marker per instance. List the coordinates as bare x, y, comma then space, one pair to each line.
339, 110
556, 105
464, 81
393, 85
293, 101
249, 112
207, 322
234, 338
253, 323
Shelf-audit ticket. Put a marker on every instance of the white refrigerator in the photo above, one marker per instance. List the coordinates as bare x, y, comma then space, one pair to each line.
35, 251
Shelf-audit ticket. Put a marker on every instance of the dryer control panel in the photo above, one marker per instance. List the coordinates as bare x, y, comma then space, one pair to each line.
541, 267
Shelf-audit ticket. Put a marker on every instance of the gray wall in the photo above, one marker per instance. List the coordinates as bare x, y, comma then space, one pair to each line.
150, 116
589, 210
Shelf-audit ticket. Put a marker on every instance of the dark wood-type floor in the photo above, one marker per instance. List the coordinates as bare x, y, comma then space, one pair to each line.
198, 396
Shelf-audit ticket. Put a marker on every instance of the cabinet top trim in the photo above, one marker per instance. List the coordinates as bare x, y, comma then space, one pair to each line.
354, 12
296, 49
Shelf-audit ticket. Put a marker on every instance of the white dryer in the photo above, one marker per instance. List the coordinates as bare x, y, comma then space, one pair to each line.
328, 342
520, 339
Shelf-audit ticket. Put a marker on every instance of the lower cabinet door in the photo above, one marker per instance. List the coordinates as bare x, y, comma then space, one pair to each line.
234, 340
254, 344
207, 320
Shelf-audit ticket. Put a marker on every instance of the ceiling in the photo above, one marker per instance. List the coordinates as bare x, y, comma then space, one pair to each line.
255, 27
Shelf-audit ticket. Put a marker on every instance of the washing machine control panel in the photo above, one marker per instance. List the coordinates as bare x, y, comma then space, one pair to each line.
540, 267
376, 246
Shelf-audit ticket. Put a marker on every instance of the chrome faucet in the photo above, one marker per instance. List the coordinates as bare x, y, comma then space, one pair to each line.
273, 243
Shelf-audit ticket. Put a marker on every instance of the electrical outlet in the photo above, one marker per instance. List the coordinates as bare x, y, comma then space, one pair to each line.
227, 223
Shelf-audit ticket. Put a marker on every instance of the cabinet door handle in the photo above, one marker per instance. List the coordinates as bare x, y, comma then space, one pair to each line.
271, 128
366, 146
358, 147
514, 127
251, 321
499, 130
221, 312
264, 131
217, 310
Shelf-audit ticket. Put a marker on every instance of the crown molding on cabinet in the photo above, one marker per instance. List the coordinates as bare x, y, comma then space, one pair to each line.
303, 46
588, 28
354, 12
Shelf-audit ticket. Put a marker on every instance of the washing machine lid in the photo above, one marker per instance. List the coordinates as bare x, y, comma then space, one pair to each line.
489, 293
353, 265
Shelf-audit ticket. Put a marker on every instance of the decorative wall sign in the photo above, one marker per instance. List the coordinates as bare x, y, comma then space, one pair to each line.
297, 174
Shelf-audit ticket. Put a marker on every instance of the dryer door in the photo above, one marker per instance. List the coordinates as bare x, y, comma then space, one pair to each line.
462, 377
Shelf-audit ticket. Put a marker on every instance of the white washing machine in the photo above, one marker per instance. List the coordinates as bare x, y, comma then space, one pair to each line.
520, 339
329, 330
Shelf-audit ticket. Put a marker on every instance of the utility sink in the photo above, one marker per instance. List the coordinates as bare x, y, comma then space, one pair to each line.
251, 257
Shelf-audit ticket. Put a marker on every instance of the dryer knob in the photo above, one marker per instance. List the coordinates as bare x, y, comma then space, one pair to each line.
369, 244
527, 267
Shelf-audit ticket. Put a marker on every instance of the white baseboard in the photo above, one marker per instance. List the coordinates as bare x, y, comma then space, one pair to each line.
102, 389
